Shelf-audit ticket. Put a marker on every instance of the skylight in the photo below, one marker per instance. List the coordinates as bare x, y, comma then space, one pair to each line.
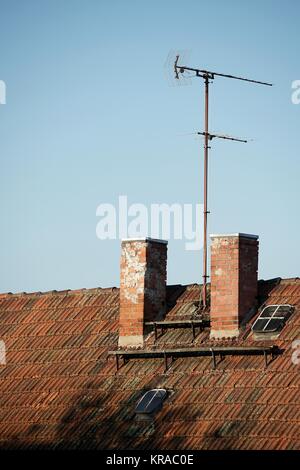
272, 318
151, 401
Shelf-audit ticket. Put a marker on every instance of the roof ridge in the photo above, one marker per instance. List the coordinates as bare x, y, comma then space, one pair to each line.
89, 290
59, 292
290, 279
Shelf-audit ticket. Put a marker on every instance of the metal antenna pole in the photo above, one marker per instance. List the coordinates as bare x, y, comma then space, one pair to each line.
207, 75
207, 138
205, 211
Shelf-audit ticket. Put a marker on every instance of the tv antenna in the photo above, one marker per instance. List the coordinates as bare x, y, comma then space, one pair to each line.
182, 71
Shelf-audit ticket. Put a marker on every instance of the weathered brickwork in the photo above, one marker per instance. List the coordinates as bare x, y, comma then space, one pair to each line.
142, 287
234, 264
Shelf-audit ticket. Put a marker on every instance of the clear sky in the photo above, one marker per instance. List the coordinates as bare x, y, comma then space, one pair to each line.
89, 116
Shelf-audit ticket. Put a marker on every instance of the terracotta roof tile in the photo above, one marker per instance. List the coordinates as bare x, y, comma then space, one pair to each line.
59, 390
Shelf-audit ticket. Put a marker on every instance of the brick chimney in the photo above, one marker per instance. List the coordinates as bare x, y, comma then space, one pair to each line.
234, 263
142, 287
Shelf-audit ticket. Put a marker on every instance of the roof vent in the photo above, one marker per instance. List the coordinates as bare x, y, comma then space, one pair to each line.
150, 403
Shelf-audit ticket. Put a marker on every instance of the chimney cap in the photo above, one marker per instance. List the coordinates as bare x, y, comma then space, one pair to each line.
144, 239
226, 235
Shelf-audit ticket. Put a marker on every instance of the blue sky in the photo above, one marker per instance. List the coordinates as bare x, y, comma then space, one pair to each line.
89, 116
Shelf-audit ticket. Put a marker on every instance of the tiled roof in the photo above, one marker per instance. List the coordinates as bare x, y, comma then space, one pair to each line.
59, 390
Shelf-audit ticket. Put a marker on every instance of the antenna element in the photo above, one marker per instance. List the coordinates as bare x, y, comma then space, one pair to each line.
208, 76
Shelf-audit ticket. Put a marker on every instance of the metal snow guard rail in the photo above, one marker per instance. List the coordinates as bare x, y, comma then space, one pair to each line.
191, 324
220, 351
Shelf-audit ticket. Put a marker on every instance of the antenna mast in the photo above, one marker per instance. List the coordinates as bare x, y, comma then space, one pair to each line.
207, 76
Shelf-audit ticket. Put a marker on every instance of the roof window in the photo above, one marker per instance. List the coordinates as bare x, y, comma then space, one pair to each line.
272, 318
150, 403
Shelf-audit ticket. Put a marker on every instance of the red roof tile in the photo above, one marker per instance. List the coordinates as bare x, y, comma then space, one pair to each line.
59, 390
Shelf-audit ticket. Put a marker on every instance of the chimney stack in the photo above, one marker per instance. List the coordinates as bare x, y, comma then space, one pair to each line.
234, 264
142, 287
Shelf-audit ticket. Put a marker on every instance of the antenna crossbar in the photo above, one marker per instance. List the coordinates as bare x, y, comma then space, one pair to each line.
211, 75
219, 136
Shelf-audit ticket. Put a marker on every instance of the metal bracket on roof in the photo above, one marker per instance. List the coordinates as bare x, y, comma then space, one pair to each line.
213, 358
166, 361
193, 330
164, 325
274, 352
155, 331
213, 352
266, 359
